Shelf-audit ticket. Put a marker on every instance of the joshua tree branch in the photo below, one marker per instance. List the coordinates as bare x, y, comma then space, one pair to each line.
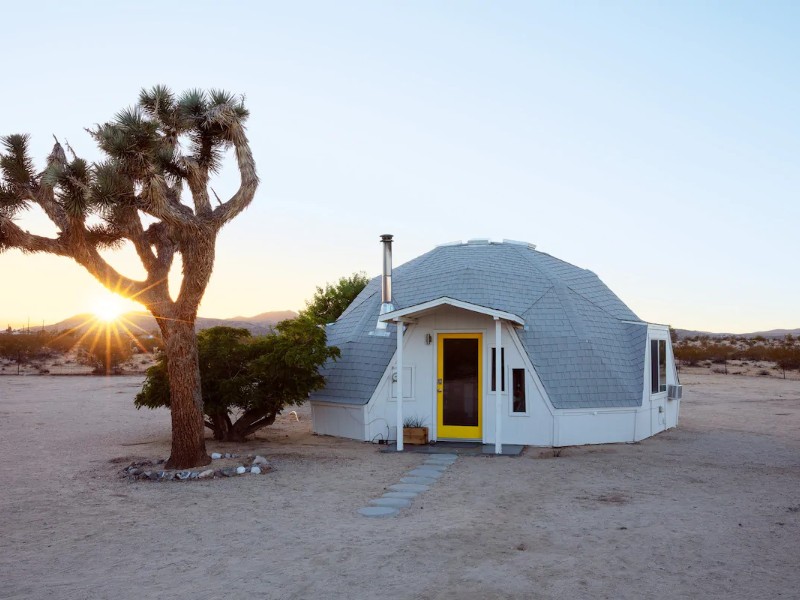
247, 176
44, 197
13, 236
197, 178
162, 204
132, 226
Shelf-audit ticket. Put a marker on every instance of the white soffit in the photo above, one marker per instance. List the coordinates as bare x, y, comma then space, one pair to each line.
418, 308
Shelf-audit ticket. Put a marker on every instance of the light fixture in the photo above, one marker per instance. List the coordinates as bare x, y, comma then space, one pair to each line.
428, 339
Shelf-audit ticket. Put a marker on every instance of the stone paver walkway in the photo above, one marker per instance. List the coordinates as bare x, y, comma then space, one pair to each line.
417, 480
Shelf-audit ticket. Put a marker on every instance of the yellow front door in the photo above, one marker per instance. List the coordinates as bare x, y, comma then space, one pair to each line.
459, 386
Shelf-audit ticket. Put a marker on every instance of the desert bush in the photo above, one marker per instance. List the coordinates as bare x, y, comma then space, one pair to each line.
689, 355
105, 353
63, 342
330, 302
247, 381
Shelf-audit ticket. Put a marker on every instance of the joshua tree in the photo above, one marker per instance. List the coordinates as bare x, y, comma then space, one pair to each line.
151, 150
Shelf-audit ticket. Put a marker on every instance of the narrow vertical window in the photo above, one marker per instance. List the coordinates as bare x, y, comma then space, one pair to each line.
658, 366
518, 386
662, 365
654, 367
502, 369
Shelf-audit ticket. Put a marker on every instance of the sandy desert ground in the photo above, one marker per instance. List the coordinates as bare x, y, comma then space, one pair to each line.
710, 510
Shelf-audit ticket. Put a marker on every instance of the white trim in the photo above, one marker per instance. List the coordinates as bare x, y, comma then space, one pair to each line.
510, 380
417, 308
526, 360
498, 385
409, 395
399, 369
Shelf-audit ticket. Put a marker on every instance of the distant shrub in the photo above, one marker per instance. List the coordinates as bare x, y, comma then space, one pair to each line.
764, 373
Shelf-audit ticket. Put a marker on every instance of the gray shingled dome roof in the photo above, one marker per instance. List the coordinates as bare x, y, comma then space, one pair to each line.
587, 347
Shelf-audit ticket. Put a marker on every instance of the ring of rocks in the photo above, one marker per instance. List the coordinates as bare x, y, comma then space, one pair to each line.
153, 470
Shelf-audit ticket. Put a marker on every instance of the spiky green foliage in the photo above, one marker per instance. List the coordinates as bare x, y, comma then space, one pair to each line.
16, 164
17, 170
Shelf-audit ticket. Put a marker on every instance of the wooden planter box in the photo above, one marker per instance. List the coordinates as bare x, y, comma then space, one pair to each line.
415, 435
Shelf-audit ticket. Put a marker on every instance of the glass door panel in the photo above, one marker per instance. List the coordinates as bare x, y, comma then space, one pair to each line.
459, 386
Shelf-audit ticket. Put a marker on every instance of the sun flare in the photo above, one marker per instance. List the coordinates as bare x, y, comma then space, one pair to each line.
108, 308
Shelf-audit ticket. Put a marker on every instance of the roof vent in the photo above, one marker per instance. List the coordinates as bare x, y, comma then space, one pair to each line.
519, 243
478, 242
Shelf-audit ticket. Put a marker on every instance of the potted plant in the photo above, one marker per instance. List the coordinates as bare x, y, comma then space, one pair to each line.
414, 431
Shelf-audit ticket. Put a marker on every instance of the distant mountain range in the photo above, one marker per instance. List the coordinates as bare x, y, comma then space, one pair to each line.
771, 334
144, 322
264, 322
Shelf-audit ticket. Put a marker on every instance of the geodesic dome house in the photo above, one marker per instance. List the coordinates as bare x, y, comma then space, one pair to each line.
575, 366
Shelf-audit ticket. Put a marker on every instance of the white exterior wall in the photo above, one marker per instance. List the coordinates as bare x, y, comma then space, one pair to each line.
542, 425
658, 412
576, 427
341, 420
535, 427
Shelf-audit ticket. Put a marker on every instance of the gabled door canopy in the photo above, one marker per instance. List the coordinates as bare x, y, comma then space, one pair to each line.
404, 314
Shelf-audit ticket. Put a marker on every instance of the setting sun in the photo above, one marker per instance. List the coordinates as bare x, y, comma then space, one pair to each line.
109, 307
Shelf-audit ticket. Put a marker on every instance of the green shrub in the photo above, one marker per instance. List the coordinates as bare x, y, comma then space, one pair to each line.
246, 381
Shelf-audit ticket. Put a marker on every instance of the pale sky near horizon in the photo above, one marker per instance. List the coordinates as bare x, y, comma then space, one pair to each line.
656, 144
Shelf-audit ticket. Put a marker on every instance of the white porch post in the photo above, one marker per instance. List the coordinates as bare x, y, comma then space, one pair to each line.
399, 367
498, 381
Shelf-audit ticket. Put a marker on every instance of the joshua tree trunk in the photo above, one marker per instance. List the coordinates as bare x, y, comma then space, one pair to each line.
180, 344
186, 402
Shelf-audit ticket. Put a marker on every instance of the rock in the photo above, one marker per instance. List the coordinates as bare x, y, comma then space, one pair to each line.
227, 455
378, 511
215, 455
391, 502
259, 460
183, 475
133, 471
194, 475
255, 470
205, 474
418, 480
228, 472
240, 470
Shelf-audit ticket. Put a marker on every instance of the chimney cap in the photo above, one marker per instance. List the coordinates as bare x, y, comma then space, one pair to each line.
386, 237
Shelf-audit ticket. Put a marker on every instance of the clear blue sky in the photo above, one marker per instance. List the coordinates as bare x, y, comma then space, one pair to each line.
656, 144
